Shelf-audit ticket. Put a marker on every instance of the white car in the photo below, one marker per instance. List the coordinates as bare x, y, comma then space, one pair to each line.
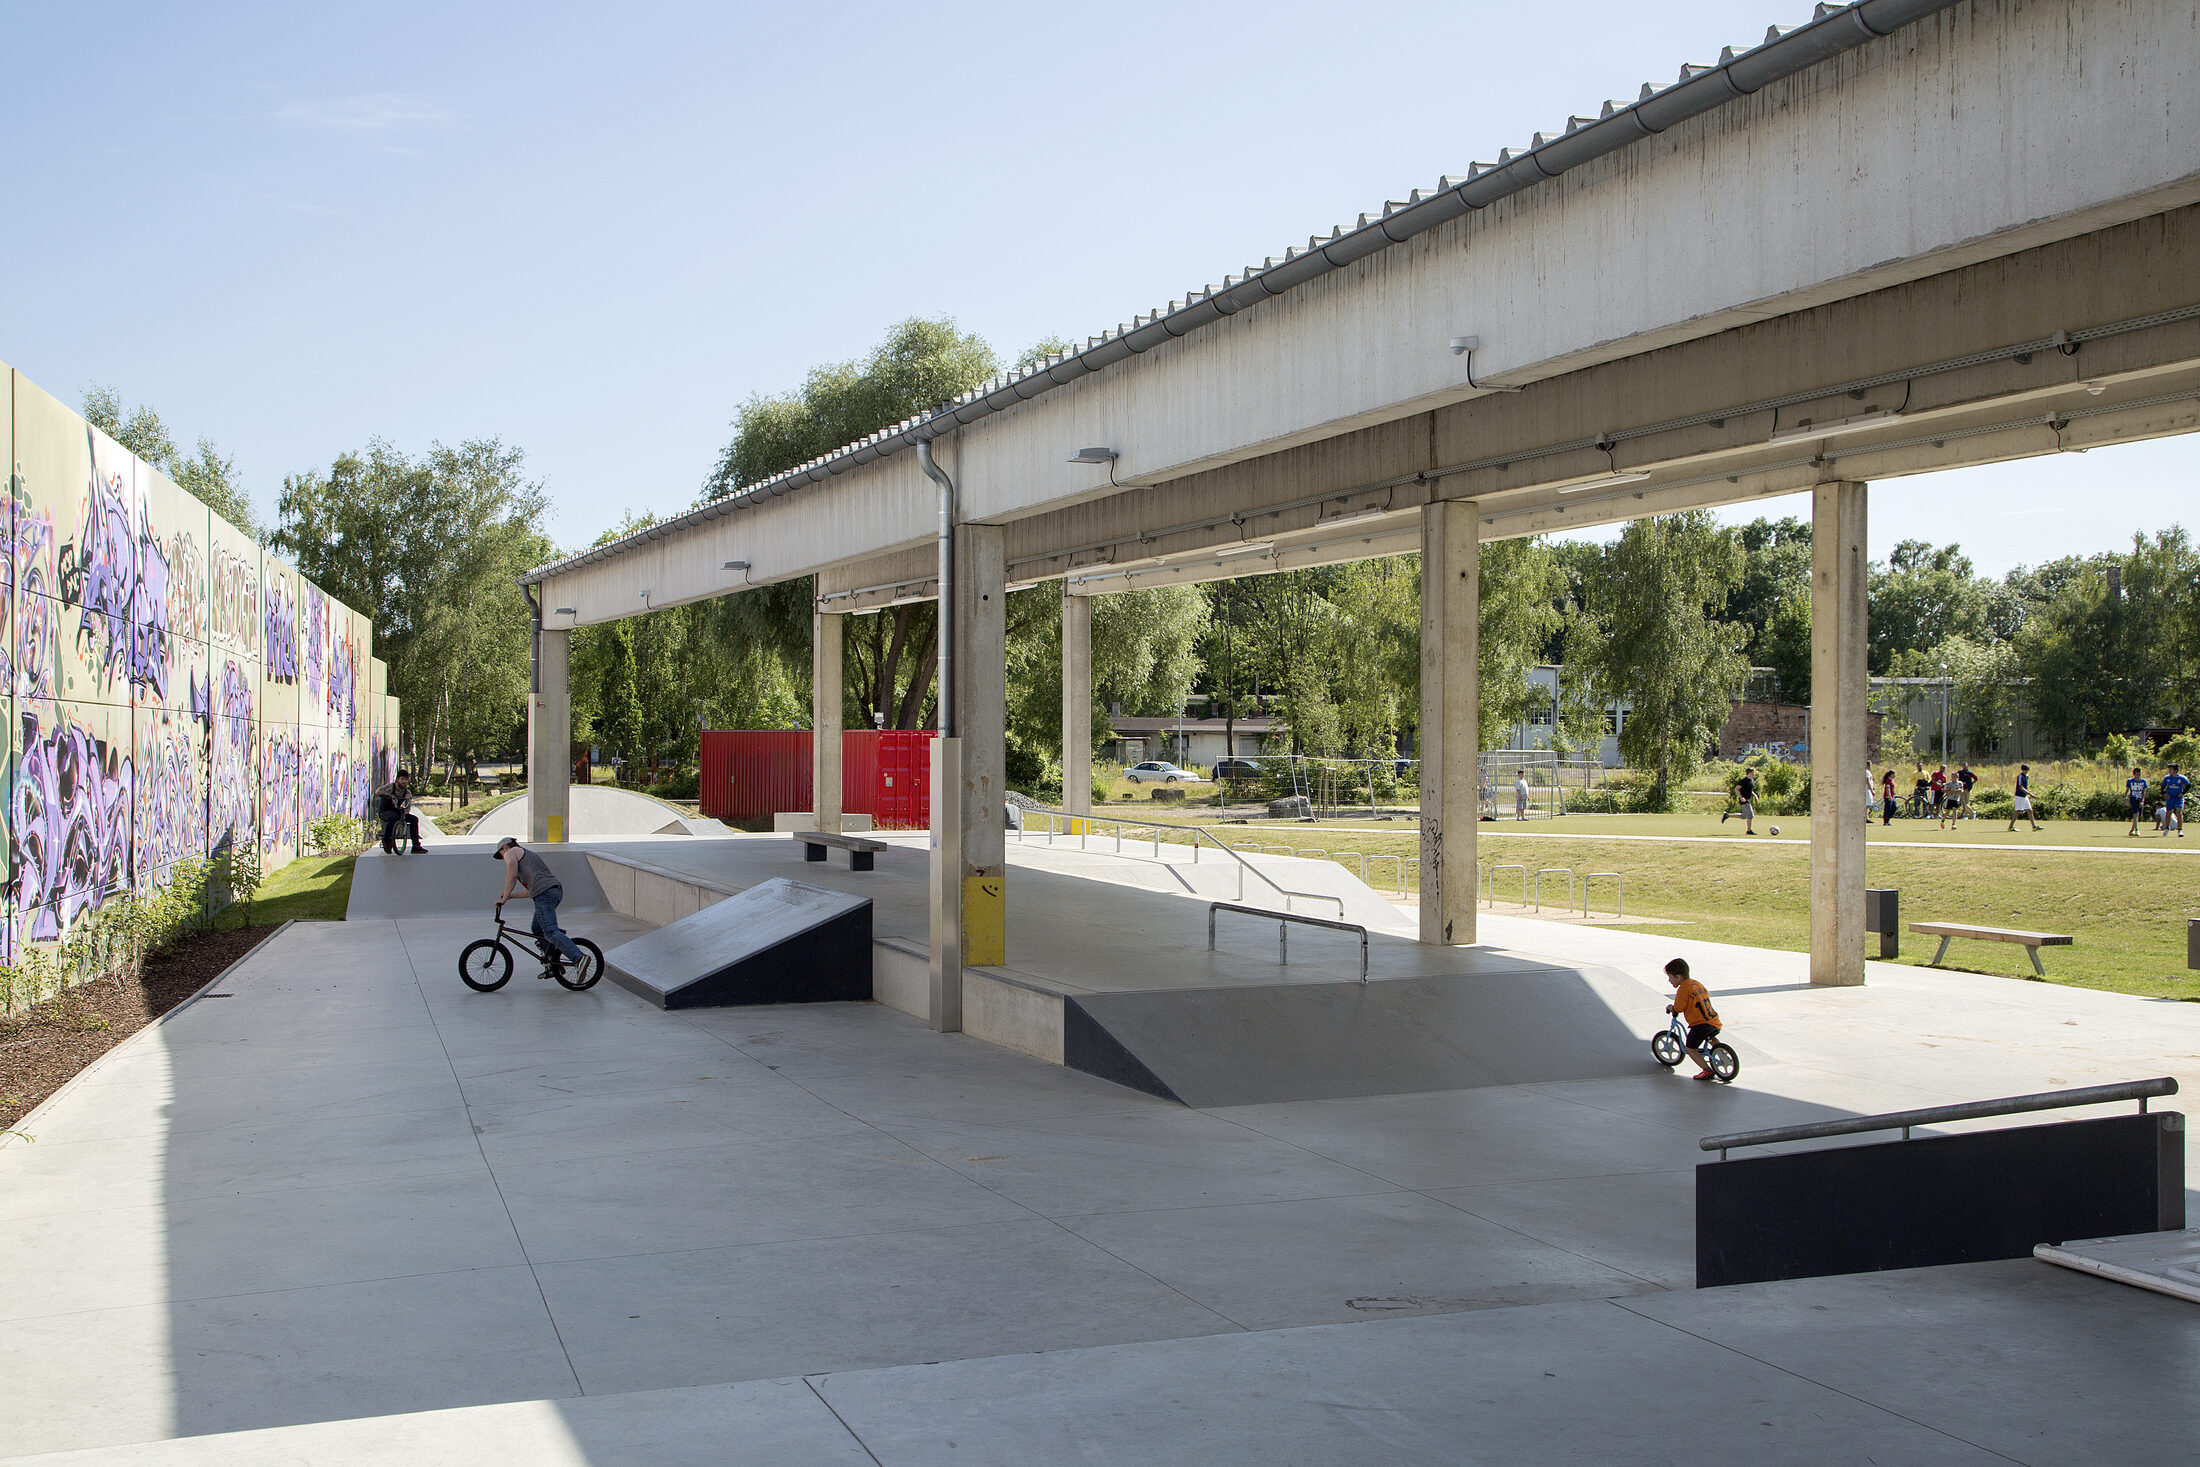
1157, 771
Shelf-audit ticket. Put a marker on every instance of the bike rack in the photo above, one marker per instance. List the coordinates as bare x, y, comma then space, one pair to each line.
1619, 892
1509, 866
1399, 862
1283, 921
1567, 872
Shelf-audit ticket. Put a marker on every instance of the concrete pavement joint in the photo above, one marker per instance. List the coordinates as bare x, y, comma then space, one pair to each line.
1622, 1303
490, 1167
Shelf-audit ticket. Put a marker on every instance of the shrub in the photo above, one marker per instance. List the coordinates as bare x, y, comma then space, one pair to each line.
1605, 801
1993, 802
687, 785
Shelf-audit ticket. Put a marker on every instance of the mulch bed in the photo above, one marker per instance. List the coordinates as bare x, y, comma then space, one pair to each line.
42, 1050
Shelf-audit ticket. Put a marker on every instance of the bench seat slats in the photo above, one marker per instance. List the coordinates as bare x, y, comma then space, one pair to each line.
1991, 934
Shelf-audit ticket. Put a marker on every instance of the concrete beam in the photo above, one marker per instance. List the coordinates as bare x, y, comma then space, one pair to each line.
1839, 581
1076, 703
981, 727
1449, 735
550, 743
1922, 156
825, 718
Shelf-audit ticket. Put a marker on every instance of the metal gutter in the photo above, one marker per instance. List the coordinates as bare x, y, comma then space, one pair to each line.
1832, 30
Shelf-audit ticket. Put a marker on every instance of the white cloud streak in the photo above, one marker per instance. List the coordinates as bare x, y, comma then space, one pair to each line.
379, 117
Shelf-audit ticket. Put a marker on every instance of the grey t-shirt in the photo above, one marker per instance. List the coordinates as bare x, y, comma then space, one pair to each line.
536, 875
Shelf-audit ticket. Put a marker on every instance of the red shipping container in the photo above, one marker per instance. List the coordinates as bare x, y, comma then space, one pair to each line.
887, 775
750, 775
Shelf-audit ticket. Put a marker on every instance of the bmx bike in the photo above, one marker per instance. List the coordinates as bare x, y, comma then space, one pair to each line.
1670, 1044
486, 964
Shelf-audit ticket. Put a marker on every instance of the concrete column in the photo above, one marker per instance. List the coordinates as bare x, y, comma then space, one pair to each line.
1449, 740
1076, 702
1839, 622
825, 719
981, 726
550, 744
943, 887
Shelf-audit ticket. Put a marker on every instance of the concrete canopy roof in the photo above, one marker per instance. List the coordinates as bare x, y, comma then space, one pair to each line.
1832, 30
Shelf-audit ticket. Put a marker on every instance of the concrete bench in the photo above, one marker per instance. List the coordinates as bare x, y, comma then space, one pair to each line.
860, 851
2032, 941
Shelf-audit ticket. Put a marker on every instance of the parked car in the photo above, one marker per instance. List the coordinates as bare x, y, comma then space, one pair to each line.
1157, 771
1236, 769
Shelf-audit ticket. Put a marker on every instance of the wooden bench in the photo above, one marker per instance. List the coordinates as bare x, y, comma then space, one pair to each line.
860, 851
2032, 941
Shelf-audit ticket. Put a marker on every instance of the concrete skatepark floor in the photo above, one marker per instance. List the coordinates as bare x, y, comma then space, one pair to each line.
572, 1228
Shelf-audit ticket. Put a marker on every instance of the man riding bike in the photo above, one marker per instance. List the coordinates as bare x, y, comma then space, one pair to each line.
526, 870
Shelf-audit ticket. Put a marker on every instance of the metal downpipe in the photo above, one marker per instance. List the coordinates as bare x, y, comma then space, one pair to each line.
534, 638
946, 636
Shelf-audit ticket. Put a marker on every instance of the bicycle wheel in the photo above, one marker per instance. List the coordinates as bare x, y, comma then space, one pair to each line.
486, 965
584, 973
1725, 1064
1665, 1048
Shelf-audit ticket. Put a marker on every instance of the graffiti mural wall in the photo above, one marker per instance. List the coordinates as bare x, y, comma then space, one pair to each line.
169, 689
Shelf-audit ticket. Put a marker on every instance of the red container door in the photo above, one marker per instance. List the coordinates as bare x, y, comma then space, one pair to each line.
752, 775
905, 779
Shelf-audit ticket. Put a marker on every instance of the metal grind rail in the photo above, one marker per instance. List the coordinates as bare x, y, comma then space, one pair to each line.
1971, 1110
1283, 921
1197, 833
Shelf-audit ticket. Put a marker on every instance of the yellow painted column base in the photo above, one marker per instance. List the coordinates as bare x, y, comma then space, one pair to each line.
557, 830
985, 920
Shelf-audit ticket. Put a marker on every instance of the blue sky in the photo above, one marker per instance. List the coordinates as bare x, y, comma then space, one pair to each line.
594, 230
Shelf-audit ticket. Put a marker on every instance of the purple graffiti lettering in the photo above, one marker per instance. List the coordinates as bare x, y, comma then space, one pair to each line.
279, 794
281, 637
316, 635
230, 813
171, 810
32, 651
71, 841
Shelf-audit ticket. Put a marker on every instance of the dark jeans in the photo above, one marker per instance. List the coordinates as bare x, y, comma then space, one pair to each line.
546, 923
391, 824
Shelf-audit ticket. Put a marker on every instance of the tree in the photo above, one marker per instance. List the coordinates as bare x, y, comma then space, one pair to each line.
1923, 596
619, 703
1664, 654
430, 549
1521, 583
1775, 571
205, 474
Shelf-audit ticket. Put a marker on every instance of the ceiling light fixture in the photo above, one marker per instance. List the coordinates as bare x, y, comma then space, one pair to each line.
1832, 426
1373, 511
1229, 550
1599, 481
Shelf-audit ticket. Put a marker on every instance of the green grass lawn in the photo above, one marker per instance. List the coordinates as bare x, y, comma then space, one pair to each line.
2127, 912
311, 889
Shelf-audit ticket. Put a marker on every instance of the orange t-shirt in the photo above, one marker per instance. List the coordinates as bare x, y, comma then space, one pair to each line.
1693, 1002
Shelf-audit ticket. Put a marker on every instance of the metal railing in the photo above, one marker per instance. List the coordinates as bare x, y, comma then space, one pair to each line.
1197, 833
1283, 921
1971, 1110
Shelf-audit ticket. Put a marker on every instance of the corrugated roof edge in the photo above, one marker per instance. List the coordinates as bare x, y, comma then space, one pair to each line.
1831, 30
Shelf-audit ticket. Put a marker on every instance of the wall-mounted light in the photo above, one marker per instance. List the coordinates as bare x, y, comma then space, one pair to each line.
739, 565
1832, 426
1094, 456
566, 611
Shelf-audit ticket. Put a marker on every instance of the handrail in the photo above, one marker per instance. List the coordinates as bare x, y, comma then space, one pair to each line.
1970, 1110
1283, 921
1198, 833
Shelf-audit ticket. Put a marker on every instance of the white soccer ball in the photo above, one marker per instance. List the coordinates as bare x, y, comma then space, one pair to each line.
1775, 830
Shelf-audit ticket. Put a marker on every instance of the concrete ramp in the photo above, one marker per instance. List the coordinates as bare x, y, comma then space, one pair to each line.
457, 879
779, 942
1209, 1047
599, 810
